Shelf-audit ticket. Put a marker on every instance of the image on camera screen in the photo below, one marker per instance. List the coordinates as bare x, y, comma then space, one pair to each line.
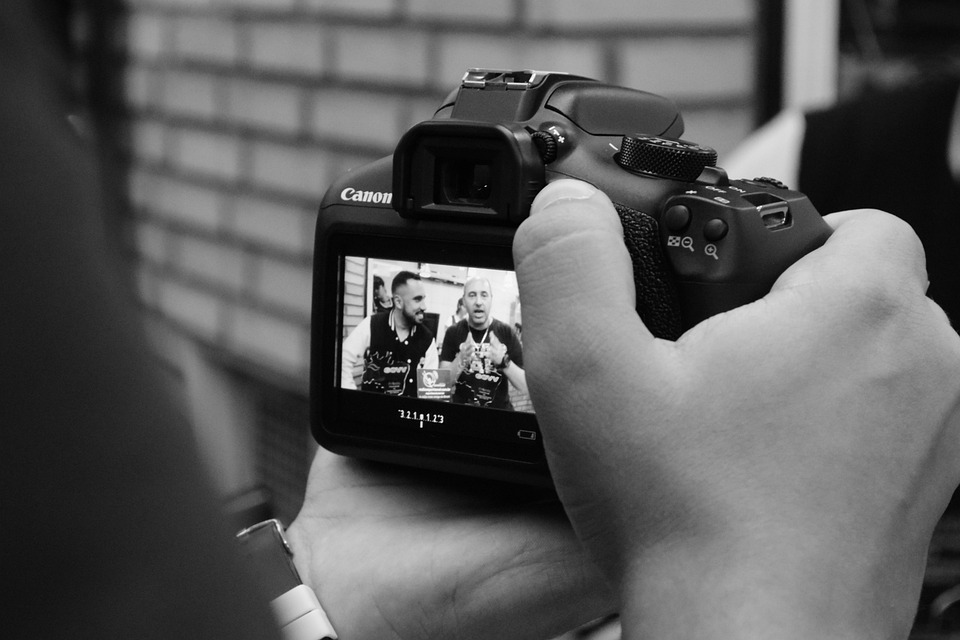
434, 332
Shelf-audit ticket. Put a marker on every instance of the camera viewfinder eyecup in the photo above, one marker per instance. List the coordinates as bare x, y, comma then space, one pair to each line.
467, 171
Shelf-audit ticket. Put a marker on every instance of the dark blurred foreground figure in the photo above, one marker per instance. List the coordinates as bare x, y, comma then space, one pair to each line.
109, 526
699, 506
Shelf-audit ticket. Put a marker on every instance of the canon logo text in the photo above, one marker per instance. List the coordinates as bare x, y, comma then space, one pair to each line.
377, 197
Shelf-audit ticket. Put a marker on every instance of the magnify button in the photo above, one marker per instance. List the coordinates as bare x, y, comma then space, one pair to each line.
711, 250
715, 229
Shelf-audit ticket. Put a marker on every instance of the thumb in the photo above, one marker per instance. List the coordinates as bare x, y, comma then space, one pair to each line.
572, 266
586, 353
494, 340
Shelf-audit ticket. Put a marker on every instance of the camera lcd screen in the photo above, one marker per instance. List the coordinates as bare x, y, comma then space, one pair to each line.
428, 348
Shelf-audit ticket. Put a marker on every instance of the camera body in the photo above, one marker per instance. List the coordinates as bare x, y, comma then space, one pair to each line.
446, 205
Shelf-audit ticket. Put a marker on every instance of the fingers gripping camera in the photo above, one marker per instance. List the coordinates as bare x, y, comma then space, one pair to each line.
450, 198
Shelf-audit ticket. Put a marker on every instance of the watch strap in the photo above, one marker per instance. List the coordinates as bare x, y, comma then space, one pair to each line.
295, 605
305, 618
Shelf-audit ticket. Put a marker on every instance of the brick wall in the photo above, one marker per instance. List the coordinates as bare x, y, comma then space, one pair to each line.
240, 112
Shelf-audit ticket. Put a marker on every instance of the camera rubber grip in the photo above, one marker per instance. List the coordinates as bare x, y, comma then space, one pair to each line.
658, 303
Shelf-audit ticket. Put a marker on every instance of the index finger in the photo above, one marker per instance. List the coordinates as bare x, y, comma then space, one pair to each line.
870, 254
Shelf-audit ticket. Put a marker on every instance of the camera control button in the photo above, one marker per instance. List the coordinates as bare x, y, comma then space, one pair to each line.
546, 143
715, 229
677, 217
770, 182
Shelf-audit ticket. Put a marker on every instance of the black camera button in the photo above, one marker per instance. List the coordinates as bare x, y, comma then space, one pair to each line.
770, 182
715, 229
546, 143
677, 218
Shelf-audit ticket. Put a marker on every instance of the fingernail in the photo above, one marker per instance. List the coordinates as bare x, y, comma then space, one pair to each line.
561, 191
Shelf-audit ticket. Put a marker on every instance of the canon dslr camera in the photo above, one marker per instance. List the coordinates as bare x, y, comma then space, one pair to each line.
444, 208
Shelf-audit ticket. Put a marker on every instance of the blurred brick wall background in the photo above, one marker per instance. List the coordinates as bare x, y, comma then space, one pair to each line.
240, 113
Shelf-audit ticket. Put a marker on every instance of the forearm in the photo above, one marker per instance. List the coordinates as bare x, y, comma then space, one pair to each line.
516, 376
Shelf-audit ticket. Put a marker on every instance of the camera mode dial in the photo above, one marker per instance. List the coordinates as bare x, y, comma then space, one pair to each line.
664, 158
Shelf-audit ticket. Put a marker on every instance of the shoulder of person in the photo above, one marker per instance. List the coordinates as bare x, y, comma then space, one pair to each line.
455, 332
458, 327
503, 330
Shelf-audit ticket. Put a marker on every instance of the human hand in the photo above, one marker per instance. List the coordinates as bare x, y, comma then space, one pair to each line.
468, 351
395, 553
777, 471
496, 350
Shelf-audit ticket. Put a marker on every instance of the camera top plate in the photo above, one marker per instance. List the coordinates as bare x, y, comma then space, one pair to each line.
598, 109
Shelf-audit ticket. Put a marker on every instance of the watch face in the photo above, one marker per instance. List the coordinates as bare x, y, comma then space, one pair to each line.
266, 550
268, 553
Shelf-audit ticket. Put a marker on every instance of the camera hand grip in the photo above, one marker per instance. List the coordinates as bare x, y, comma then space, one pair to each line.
658, 303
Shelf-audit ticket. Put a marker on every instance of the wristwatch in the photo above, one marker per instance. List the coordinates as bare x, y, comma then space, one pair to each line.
504, 363
294, 604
